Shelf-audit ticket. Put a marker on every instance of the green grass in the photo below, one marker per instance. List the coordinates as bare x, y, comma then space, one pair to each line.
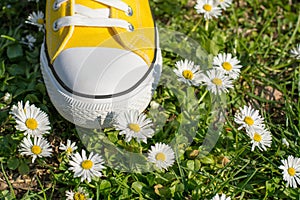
259, 33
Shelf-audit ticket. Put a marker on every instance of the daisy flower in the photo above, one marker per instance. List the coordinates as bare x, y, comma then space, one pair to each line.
69, 148
79, 194
36, 19
249, 118
291, 171
295, 52
222, 197
285, 142
30, 119
38, 148
161, 155
224, 3
217, 82
260, 138
7, 97
134, 125
208, 8
29, 41
188, 72
228, 64
86, 167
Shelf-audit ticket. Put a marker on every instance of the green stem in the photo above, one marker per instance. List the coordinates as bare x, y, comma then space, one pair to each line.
206, 25
42, 187
8, 182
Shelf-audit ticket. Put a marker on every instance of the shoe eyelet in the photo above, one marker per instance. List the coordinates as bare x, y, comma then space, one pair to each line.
55, 26
56, 6
129, 11
130, 28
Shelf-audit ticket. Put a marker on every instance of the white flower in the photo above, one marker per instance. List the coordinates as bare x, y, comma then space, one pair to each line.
6, 97
295, 52
285, 142
291, 171
133, 125
228, 64
81, 194
36, 19
208, 8
86, 167
217, 82
29, 41
222, 197
161, 155
69, 148
224, 3
188, 72
249, 118
261, 138
30, 119
38, 148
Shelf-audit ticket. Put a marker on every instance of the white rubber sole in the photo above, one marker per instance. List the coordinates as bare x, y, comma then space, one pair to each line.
98, 113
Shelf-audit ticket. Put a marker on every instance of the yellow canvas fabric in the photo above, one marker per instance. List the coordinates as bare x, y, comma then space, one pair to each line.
141, 40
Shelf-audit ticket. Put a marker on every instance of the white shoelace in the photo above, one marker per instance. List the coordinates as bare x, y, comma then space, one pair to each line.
85, 16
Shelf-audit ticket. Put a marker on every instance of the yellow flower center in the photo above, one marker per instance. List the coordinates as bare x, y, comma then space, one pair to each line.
87, 164
248, 120
36, 149
31, 123
135, 127
257, 137
188, 74
291, 171
227, 66
40, 21
207, 7
217, 81
221, 1
160, 157
79, 196
69, 150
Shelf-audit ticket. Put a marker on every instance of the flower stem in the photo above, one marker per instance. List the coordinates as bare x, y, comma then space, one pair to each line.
206, 25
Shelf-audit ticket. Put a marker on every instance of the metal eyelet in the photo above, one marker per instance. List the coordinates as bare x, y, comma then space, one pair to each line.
130, 28
56, 6
55, 26
129, 11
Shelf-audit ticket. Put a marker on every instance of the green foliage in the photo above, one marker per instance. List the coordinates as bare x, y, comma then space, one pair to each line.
259, 33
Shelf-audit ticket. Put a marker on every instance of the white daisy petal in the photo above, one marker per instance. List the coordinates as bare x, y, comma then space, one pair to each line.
261, 138
161, 155
86, 167
224, 4
217, 82
69, 148
291, 171
81, 193
188, 72
36, 19
228, 64
221, 197
208, 8
38, 148
249, 118
133, 125
30, 119
295, 52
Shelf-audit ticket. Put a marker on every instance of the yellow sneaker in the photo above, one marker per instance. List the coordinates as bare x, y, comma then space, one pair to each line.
99, 58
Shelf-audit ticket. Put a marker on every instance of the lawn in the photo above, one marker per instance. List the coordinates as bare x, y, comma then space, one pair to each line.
214, 146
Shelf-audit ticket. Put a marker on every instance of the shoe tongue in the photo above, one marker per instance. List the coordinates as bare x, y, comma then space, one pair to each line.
142, 39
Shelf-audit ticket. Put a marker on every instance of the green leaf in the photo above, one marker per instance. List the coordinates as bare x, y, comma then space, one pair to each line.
13, 163
105, 185
14, 51
137, 186
190, 165
23, 168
